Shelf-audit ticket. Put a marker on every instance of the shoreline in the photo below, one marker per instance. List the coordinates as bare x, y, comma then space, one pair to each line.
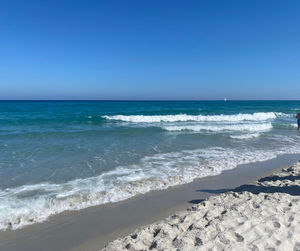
264, 215
93, 228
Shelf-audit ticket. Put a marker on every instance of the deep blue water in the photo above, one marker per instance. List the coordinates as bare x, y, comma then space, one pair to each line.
57, 156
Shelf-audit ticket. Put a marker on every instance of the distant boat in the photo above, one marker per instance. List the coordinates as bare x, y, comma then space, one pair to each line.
225, 99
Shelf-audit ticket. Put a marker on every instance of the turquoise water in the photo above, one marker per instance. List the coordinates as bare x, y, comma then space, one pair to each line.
57, 156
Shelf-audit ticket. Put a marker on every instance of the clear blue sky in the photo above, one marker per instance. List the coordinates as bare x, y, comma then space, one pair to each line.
150, 49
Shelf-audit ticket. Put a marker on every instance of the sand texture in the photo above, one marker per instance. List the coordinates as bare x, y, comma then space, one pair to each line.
261, 216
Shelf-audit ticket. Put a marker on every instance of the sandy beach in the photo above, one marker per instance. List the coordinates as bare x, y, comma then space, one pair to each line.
94, 228
264, 215
149, 125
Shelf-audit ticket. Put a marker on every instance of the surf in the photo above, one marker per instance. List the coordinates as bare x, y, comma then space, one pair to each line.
259, 116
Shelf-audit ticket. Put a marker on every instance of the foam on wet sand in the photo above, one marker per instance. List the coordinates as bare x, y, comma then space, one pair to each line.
264, 215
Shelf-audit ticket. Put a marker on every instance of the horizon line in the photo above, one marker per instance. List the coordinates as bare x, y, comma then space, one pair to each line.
138, 100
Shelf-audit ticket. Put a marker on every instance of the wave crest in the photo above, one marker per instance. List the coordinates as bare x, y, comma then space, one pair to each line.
218, 128
258, 116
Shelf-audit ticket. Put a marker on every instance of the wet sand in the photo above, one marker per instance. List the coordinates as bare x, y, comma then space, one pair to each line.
93, 228
264, 215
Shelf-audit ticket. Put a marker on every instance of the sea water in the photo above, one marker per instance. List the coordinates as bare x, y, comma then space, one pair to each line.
57, 156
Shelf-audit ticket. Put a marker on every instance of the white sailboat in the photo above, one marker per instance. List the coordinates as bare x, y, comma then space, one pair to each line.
225, 99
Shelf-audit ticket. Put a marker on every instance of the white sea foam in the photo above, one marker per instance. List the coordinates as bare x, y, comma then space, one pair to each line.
245, 136
222, 127
29, 204
259, 116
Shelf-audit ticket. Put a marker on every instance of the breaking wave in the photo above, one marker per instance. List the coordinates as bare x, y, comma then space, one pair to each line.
258, 116
217, 128
29, 204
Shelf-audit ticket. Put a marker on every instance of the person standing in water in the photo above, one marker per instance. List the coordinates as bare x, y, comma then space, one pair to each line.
298, 118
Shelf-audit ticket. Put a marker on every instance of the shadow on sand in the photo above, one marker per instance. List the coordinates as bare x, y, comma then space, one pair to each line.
275, 178
256, 189
196, 201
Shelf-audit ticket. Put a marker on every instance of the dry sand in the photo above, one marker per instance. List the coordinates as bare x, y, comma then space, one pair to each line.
92, 228
264, 215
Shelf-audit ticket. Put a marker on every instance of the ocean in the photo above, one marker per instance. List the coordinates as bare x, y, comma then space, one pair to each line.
68, 155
